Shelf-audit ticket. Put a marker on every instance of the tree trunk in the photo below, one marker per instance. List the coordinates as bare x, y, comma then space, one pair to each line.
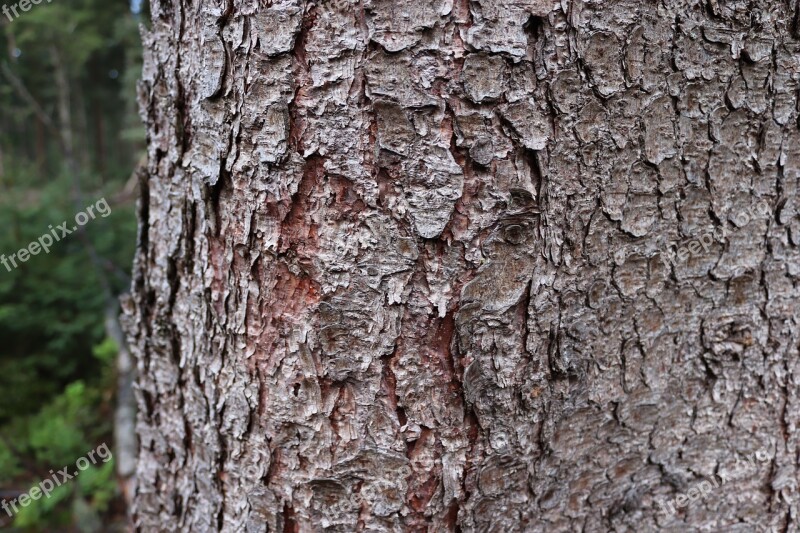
479, 266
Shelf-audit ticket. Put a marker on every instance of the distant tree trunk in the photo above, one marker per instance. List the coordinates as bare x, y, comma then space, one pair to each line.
125, 444
408, 266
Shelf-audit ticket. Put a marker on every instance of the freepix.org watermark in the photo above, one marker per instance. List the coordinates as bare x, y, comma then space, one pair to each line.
46, 241
22, 5
705, 487
45, 488
701, 244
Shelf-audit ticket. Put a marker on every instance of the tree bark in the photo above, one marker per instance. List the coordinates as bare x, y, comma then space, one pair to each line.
436, 265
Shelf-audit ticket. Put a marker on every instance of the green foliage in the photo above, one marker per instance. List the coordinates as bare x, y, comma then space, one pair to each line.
91, 493
46, 510
64, 430
51, 307
106, 352
56, 363
9, 464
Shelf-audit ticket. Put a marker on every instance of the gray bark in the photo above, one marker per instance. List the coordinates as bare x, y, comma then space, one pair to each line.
404, 266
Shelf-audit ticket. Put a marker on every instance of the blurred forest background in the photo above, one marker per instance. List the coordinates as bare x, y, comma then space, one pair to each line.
70, 135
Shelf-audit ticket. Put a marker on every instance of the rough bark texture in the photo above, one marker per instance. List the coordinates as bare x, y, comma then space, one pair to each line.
401, 266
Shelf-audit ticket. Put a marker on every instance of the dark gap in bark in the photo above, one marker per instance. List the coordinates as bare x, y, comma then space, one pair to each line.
390, 380
226, 15
176, 500
534, 30
289, 524
143, 215
163, 14
175, 346
191, 228
188, 438
150, 302
673, 44
554, 340
452, 517
710, 9
445, 333
538, 175
183, 119
173, 280
148, 401
796, 20
525, 304
213, 199
401, 416
374, 47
